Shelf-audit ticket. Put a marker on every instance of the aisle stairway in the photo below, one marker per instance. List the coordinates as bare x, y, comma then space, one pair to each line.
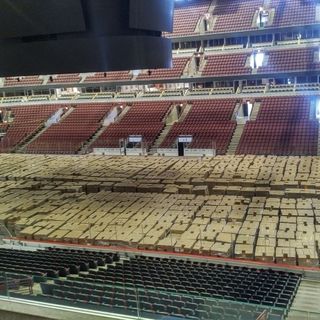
185, 112
255, 111
306, 305
161, 137
235, 139
86, 146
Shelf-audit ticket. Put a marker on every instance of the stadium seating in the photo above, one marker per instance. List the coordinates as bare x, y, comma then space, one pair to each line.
22, 81
52, 263
109, 76
216, 65
235, 16
175, 72
209, 122
226, 64
294, 12
145, 118
71, 133
187, 15
290, 60
27, 121
239, 15
66, 78
283, 127
179, 288
195, 237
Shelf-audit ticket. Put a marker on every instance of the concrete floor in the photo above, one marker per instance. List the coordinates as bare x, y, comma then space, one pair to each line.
306, 305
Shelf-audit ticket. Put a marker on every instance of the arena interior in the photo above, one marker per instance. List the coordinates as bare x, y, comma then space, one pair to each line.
191, 192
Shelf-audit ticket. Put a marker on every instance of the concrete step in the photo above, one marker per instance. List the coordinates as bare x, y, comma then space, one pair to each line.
88, 143
185, 112
122, 114
235, 139
306, 304
161, 137
255, 111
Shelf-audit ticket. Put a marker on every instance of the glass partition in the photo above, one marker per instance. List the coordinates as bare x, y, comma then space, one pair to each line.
142, 301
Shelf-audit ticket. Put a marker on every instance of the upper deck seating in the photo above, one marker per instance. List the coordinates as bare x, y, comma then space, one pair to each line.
175, 72
187, 15
66, 78
22, 81
226, 64
235, 15
109, 76
293, 12
290, 60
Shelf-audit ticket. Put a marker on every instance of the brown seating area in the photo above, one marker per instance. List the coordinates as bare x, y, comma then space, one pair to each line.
215, 65
66, 78
145, 118
27, 120
293, 12
239, 15
22, 81
290, 60
71, 133
283, 127
209, 122
187, 15
175, 72
226, 64
109, 76
268, 207
235, 16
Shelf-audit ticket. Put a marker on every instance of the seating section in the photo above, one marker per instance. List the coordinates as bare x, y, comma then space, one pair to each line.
239, 15
187, 15
180, 288
235, 16
175, 72
293, 12
290, 60
282, 128
27, 121
22, 81
69, 135
145, 118
209, 122
226, 64
65, 78
52, 263
109, 76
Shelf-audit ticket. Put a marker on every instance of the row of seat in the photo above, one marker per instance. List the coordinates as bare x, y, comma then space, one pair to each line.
282, 127
209, 123
71, 133
188, 289
240, 15
52, 263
